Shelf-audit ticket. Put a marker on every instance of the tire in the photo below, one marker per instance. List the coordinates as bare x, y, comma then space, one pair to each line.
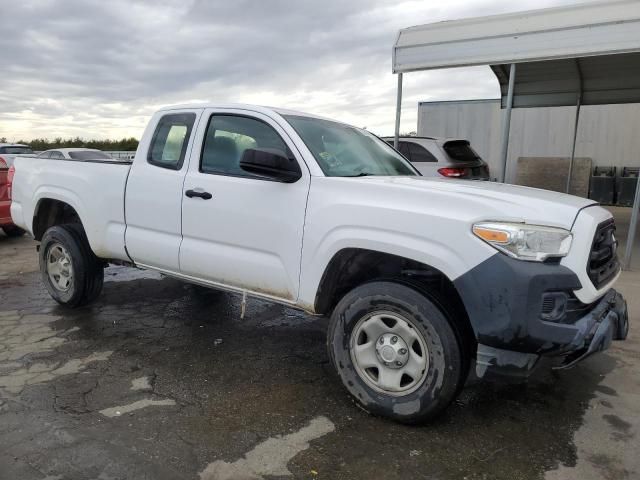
77, 265
13, 231
431, 368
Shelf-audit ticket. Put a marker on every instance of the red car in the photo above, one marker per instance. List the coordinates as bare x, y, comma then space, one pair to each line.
6, 177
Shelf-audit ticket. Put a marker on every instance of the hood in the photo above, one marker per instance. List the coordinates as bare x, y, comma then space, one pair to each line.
493, 201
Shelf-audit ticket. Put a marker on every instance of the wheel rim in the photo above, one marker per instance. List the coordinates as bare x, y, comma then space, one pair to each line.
59, 268
389, 353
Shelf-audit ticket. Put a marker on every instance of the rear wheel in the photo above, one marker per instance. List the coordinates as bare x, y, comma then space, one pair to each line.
13, 231
70, 271
395, 352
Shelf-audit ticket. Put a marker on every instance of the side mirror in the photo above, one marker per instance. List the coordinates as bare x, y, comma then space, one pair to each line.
270, 163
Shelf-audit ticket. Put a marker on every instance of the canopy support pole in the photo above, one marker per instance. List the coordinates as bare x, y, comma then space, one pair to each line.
626, 264
506, 126
575, 125
398, 109
573, 148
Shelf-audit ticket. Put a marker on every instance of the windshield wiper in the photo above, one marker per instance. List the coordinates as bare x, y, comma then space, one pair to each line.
361, 174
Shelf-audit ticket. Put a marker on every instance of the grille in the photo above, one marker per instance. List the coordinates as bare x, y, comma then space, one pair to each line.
603, 261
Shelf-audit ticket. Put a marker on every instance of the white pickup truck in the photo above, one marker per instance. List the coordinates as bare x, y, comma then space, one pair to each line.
422, 278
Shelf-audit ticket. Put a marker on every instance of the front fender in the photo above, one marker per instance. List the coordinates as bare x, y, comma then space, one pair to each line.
438, 255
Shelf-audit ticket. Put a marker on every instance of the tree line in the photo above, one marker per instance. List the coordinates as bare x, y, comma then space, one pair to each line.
38, 144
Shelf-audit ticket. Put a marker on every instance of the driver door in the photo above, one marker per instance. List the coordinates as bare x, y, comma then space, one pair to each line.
241, 230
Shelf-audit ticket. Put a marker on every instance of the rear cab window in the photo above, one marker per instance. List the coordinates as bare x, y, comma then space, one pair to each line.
169, 143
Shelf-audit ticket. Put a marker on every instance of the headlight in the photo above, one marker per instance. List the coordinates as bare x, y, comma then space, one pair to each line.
525, 242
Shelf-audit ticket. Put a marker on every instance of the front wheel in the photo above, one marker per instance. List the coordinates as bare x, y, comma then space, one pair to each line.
70, 271
395, 352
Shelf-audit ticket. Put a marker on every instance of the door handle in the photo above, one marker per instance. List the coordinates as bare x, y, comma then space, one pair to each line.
198, 193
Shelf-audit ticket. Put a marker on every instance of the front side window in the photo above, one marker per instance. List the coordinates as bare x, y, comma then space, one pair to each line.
345, 151
57, 155
227, 138
169, 143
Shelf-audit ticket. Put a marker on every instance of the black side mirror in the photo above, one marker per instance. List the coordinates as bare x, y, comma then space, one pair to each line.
271, 163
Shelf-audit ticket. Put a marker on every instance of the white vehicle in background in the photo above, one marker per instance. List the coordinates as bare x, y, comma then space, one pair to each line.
443, 157
422, 278
9, 151
75, 154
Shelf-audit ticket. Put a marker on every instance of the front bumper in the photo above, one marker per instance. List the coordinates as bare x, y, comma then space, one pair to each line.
504, 300
607, 321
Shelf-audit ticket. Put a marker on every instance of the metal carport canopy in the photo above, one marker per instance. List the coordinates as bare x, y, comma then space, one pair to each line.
583, 54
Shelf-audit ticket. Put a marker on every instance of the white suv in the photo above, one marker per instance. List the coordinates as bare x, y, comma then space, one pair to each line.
443, 157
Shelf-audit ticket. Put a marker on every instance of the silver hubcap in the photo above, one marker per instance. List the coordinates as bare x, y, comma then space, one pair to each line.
59, 267
389, 354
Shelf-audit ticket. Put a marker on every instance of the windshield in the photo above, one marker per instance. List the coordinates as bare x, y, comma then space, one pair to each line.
16, 150
344, 151
89, 155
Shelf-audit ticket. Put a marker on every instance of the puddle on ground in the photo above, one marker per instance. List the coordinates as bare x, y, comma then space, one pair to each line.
609, 417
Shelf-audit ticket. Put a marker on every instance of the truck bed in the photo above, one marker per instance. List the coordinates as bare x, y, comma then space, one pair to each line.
94, 188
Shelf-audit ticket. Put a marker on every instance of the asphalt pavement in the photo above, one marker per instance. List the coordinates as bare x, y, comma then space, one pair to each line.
160, 380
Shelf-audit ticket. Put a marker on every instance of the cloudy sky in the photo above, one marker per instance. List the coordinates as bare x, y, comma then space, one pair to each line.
98, 69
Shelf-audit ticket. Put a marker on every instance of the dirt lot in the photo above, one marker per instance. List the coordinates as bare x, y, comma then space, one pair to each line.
158, 381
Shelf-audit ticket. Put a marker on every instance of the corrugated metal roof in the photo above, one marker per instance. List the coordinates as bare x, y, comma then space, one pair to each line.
603, 80
595, 28
594, 45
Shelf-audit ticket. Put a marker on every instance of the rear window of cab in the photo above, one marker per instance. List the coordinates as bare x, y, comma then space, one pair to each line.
16, 150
